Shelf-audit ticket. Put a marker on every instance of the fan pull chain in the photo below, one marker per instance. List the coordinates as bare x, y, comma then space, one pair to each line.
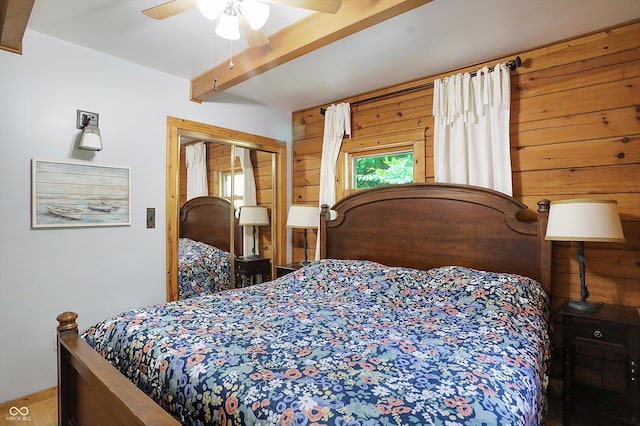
231, 54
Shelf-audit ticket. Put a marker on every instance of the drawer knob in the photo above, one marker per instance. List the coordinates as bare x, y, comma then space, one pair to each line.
597, 334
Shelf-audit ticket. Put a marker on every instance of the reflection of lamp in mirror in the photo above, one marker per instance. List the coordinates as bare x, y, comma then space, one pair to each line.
253, 216
304, 217
90, 138
584, 220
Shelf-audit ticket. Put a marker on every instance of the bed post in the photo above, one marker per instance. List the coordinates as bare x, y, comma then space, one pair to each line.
325, 215
67, 327
544, 246
93, 392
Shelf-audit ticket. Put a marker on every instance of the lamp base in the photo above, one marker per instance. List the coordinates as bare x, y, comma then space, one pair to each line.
584, 306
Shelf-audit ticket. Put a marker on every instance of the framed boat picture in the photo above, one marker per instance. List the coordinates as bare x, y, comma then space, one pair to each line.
73, 195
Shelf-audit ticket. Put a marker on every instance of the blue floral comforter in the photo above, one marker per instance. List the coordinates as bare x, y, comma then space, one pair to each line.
202, 269
344, 343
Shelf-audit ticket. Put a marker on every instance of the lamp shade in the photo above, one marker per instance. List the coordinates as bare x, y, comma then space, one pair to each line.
90, 139
584, 220
253, 215
303, 217
228, 26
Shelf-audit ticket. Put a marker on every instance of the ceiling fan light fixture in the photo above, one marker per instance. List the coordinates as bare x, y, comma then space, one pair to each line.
228, 25
211, 9
256, 13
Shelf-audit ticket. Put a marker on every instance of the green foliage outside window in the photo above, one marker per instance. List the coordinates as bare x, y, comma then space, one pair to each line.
380, 170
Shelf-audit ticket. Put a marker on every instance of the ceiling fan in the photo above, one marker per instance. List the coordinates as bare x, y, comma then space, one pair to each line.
239, 16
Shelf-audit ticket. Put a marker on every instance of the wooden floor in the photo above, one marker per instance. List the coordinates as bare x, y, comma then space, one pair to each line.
44, 413
42, 409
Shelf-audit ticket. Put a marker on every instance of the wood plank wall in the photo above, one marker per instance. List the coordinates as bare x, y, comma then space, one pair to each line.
575, 133
219, 160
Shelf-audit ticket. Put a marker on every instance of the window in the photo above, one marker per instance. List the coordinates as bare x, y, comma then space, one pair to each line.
383, 169
367, 162
238, 188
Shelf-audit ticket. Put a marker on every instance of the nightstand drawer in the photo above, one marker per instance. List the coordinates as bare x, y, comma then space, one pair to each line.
600, 331
257, 265
242, 267
248, 269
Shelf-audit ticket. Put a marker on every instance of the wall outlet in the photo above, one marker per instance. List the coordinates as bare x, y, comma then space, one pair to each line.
151, 217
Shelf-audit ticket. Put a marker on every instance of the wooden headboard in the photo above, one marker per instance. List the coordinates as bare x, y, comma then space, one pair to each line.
426, 225
208, 219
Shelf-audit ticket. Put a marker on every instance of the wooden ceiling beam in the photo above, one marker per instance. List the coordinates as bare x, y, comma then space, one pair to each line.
14, 16
311, 33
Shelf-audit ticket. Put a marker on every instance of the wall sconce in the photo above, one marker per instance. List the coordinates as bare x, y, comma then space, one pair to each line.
90, 137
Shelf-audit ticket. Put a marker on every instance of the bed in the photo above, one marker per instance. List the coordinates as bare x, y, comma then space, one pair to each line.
204, 246
415, 323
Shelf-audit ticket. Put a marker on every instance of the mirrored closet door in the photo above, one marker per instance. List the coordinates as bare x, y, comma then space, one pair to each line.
242, 169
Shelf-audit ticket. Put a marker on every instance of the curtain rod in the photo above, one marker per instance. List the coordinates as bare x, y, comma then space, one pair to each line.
512, 64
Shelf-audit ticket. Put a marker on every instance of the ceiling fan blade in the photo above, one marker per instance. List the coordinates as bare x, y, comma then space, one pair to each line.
326, 6
169, 9
255, 38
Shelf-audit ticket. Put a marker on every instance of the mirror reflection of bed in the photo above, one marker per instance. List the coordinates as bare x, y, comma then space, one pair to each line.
204, 246
209, 220
201, 262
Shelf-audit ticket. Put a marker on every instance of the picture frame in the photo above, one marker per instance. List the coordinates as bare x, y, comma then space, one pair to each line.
79, 195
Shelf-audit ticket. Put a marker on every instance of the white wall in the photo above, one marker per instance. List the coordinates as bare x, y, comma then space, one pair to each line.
96, 272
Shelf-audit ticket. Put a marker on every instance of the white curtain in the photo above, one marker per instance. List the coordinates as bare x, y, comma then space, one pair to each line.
471, 136
196, 159
337, 123
249, 197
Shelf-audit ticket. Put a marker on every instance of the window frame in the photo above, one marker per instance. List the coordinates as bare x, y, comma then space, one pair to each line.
344, 172
236, 200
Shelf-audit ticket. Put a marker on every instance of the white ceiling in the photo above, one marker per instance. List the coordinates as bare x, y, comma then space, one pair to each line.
440, 36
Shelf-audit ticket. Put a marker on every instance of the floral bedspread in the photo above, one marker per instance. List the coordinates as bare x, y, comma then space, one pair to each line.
344, 343
202, 269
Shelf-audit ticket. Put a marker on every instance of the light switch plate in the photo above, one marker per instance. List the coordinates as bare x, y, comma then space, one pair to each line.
151, 217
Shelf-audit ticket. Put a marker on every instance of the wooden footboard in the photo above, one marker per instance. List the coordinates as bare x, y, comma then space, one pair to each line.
93, 392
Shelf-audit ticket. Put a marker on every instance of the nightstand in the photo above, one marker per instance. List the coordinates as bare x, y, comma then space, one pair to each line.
248, 268
601, 356
282, 270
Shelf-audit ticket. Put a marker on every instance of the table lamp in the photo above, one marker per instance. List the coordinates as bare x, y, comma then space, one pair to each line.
253, 216
303, 217
584, 220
